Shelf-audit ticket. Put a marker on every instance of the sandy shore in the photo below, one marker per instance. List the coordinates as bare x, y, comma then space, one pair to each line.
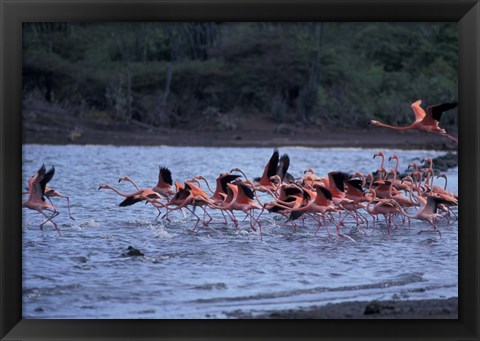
414, 309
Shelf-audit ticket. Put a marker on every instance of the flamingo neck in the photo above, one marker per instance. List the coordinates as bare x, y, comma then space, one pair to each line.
119, 193
380, 124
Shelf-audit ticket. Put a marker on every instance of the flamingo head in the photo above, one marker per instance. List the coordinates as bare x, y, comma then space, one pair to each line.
357, 174
372, 192
394, 156
373, 122
427, 159
442, 175
378, 154
407, 178
275, 179
412, 165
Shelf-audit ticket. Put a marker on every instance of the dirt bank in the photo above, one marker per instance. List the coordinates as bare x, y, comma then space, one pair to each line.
421, 309
45, 128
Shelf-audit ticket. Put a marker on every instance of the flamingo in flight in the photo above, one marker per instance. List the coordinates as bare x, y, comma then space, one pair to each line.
425, 121
36, 195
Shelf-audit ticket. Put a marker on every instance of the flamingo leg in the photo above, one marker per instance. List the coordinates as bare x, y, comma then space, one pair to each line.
387, 222
318, 221
54, 214
209, 216
258, 223
339, 234
326, 225
68, 206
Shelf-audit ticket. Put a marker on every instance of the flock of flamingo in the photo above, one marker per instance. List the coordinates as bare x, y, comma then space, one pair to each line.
327, 199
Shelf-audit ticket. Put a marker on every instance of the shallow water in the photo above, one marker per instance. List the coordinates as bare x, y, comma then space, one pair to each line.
219, 269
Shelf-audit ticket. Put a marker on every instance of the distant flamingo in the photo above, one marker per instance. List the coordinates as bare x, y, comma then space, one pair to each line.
425, 121
36, 198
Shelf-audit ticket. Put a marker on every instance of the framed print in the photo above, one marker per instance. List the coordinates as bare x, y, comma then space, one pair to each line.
310, 159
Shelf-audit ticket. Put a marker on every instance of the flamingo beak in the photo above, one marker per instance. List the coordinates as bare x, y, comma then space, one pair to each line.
99, 188
119, 180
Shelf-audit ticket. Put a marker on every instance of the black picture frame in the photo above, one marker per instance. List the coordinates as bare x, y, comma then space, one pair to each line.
13, 13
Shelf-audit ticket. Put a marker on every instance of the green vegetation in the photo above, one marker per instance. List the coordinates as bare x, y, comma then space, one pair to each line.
191, 74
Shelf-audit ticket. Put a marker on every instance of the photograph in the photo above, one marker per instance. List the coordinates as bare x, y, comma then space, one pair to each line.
240, 170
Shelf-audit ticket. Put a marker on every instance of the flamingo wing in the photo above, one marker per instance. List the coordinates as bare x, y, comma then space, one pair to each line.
227, 178
271, 167
46, 179
179, 186
283, 165
338, 179
130, 201
165, 176
356, 184
418, 110
39, 183
293, 191
244, 189
437, 110
295, 214
324, 196
430, 206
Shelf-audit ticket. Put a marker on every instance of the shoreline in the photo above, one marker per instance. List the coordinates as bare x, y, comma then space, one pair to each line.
43, 127
446, 308
366, 138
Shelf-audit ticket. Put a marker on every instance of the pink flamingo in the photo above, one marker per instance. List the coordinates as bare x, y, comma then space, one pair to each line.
425, 121
36, 195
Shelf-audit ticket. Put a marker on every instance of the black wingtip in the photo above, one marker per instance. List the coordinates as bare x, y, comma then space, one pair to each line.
338, 179
128, 201
326, 192
295, 215
166, 174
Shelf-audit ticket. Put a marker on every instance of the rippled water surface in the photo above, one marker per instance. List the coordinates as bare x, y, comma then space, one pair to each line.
219, 269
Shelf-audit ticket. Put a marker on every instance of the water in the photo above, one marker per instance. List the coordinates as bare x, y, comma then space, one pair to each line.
220, 269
